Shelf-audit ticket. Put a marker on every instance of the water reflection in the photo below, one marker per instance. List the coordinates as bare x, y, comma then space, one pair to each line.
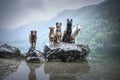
29, 71
32, 67
49, 71
21, 73
37, 72
104, 65
63, 71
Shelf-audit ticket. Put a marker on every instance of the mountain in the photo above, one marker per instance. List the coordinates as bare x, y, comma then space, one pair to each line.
101, 23
101, 26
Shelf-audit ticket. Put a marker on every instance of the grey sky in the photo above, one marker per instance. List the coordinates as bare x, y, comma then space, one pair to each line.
14, 13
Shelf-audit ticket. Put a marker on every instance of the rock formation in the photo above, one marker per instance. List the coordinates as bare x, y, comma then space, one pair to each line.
7, 51
65, 52
34, 55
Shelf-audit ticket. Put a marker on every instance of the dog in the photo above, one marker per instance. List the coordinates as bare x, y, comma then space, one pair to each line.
33, 38
68, 31
52, 36
58, 31
75, 32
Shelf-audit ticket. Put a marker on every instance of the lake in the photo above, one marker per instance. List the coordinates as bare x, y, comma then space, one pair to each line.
100, 65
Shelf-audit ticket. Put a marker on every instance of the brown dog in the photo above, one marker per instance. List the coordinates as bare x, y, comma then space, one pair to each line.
58, 31
52, 36
33, 38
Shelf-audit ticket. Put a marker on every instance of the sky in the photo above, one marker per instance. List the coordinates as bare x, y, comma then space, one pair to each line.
14, 13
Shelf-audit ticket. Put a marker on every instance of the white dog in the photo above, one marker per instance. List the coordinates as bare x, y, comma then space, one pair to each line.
75, 32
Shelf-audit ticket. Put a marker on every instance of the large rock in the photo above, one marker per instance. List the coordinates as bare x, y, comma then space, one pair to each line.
34, 55
7, 51
65, 52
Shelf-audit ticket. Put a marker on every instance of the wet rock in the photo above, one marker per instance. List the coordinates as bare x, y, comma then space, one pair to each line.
7, 51
65, 52
34, 55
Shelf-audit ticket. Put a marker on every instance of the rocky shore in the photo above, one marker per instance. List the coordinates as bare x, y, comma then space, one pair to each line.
52, 52
8, 66
8, 51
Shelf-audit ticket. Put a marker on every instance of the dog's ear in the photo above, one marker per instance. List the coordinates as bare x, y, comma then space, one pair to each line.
31, 31
60, 24
71, 20
35, 31
67, 19
56, 23
81, 25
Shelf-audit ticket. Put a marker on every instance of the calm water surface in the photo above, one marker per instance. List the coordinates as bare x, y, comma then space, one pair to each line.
99, 66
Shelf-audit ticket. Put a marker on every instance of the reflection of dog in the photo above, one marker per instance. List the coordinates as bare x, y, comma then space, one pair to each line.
58, 31
75, 32
68, 31
52, 37
33, 39
32, 67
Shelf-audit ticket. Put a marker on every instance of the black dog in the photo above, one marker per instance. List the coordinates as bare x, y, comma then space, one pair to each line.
67, 32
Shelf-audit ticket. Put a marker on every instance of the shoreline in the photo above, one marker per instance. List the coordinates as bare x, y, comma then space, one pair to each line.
8, 66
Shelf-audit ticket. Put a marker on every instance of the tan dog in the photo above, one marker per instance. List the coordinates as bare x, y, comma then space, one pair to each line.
58, 31
52, 36
33, 38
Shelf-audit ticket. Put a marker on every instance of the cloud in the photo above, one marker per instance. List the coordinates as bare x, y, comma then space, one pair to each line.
68, 4
14, 13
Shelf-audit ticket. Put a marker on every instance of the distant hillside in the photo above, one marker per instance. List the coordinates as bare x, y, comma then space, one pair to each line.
101, 25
